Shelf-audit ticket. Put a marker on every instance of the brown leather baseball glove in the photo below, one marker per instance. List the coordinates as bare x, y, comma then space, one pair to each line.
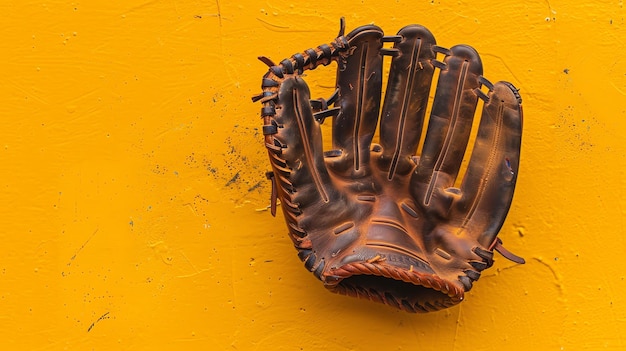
375, 220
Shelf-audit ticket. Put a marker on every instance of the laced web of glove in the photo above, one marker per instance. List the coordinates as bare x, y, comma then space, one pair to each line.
370, 218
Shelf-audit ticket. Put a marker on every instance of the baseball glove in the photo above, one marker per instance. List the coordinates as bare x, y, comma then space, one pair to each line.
375, 220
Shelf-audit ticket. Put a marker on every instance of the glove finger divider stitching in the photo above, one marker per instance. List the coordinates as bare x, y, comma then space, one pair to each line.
377, 221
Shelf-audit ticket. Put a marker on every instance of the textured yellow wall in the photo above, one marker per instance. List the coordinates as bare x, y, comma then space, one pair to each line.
132, 179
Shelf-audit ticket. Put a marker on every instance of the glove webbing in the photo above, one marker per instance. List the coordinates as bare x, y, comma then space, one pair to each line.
308, 60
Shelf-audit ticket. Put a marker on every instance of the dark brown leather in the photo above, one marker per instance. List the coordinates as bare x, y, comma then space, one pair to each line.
375, 220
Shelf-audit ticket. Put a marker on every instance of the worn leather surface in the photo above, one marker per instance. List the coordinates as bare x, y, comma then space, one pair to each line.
373, 218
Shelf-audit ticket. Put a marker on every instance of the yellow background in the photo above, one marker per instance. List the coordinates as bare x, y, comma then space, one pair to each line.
132, 179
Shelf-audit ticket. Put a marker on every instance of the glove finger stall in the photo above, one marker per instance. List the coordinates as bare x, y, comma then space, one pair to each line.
449, 127
359, 81
301, 148
402, 117
489, 181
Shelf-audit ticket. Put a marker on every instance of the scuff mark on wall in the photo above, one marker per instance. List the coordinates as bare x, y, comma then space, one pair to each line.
81, 248
104, 316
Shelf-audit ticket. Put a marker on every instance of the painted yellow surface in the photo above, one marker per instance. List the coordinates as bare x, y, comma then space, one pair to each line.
132, 179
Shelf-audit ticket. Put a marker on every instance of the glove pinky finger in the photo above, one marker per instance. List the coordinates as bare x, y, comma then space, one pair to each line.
489, 182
